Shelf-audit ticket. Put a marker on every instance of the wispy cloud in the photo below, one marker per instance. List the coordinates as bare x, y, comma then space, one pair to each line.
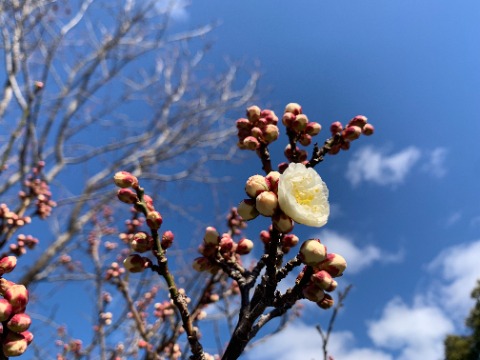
453, 218
299, 341
417, 331
369, 164
435, 163
358, 258
177, 9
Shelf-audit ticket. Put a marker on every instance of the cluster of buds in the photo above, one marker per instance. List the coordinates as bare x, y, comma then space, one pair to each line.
298, 126
37, 188
224, 246
14, 333
235, 222
287, 241
24, 242
145, 301
325, 267
260, 127
114, 271
10, 219
163, 310
352, 131
263, 200
73, 347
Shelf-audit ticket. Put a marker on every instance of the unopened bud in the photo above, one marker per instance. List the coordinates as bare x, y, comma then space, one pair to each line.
255, 185
7, 264
293, 108
368, 129
243, 124
265, 236
244, 246
212, 237
5, 310
334, 264
141, 242
290, 240
313, 293
305, 140
17, 296
323, 280
327, 302
28, 336
266, 203
135, 263
167, 239
154, 220
270, 133
312, 252
359, 121
351, 133
14, 344
247, 210
288, 119
313, 128
253, 113
336, 127
124, 179
251, 143
19, 322
127, 196
300, 122
257, 133
272, 180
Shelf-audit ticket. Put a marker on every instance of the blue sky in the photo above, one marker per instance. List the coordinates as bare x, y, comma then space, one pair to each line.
406, 201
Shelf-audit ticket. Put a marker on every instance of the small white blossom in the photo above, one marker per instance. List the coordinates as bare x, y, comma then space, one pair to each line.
303, 195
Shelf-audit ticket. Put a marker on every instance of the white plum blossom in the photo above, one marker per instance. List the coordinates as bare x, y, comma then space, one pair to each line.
303, 196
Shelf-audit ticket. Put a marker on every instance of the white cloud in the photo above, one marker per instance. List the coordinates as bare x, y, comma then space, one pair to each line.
435, 164
417, 331
358, 258
369, 164
177, 9
459, 270
299, 341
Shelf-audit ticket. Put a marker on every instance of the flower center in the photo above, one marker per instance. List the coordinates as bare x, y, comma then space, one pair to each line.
304, 196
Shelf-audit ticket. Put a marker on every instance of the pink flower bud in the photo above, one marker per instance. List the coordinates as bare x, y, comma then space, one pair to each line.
324, 280
257, 133
247, 210
313, 128
212, 237
269, 116
282, 223
265, 236
305, 140
154, 220
141, 242
167, 239
300, 122
336, 127
312, 252
368, 129
243, 124
290, 240
149, 202
351, 133
334, 264
266, 203
124, 179
17, 296
7, 264
14, 344
19, 322
253, 113
5, 285
28, 336
127, 196
270, 133
359, 121
244, 246
135, 263
251, 143
255, 185
293, 108
313, 293
227, 244
327, 302
208, 250
5, 310
272, 180
288, 119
